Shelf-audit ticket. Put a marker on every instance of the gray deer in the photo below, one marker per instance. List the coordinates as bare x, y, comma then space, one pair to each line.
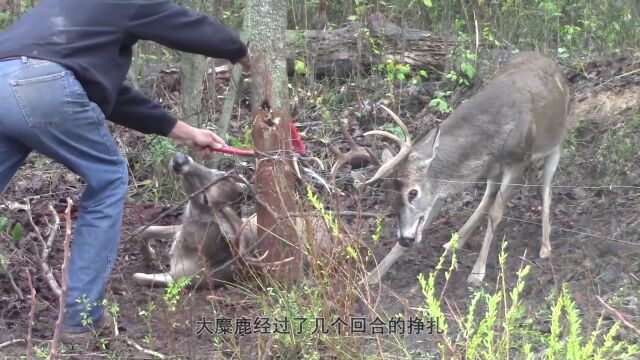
212, 232
209, 225
518, 117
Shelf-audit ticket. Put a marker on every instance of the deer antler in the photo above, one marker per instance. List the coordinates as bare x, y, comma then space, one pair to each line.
235, 226
405, 146
355, 153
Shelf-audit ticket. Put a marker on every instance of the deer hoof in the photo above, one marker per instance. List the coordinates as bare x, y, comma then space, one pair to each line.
475, 279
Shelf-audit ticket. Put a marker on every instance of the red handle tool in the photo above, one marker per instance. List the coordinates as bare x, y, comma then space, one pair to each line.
296, 142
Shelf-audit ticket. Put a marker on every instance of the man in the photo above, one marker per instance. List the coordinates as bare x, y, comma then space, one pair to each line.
62, 71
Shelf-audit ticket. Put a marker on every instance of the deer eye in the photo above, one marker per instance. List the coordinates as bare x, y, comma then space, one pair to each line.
412, 195
205, 199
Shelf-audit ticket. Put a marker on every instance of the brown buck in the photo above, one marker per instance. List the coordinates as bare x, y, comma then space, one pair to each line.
212, 232
518, 117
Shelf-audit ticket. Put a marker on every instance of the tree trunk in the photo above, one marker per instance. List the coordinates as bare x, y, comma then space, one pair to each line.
271, 134
232, 91
359, 47
14, 7
192, 70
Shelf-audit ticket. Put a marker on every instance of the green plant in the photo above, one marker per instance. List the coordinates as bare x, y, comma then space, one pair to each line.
618, 151
506, 329
299, 67
439, 102
174, 291
13, 234
394, 129
146, 315
304, 310
464, 70
161, 183
398, 71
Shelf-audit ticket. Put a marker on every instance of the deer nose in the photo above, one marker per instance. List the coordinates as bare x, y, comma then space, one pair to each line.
406, 242
179, 161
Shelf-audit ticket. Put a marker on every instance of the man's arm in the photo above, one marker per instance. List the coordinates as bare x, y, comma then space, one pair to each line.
180, 29
137, 112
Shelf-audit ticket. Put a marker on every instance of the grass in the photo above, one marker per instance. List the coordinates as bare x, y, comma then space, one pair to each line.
498, 324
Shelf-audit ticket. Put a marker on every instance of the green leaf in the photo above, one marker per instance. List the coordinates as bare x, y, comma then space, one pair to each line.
300, 68
423, 73
404, 69
3, 223
427, 3
394, 129
233, 141
16, 234
468, 70
352, 18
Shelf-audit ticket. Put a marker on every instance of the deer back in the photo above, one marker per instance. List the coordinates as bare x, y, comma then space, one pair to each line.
519, 115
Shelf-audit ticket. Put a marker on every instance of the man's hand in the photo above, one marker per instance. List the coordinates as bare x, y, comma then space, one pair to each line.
201, 140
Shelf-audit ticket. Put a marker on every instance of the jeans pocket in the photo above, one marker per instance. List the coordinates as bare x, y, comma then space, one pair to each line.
44, 100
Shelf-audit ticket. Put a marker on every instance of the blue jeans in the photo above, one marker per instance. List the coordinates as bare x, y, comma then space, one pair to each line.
45, 109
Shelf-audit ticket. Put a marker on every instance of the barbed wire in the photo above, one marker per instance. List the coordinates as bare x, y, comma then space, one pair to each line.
539, 224
572, 186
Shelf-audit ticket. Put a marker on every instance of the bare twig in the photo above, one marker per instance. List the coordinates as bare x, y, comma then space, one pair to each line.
628, 73
267, 349
13, 282
52, 234
619, 315
44, 262
32, 312
44, 265
6, 344
146, 351
56, 335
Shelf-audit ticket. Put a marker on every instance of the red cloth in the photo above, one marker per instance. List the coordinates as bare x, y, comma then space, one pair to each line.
296, 140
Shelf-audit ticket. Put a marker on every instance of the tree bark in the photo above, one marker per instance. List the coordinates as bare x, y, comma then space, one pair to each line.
232, 92
358, 47
271, 134
192, 70
14, 7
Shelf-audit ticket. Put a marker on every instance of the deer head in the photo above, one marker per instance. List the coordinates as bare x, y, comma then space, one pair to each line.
414, 199
194, 177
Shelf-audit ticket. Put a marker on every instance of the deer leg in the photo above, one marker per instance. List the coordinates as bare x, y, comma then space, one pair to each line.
550, 166
185, 261
376, 274
474, 220
155, 232
495, 216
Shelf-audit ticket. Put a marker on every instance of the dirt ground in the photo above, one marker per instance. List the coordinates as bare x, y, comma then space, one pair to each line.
595, 237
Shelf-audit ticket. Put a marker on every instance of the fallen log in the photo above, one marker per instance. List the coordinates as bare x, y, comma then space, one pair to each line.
357, 47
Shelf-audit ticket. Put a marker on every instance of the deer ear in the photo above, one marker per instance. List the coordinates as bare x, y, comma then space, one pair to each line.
386, 156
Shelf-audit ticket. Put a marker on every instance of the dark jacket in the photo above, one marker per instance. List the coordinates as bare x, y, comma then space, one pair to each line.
93, 39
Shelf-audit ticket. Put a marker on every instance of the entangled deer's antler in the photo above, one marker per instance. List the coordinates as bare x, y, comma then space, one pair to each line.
405, 146
234, 229
355, 153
